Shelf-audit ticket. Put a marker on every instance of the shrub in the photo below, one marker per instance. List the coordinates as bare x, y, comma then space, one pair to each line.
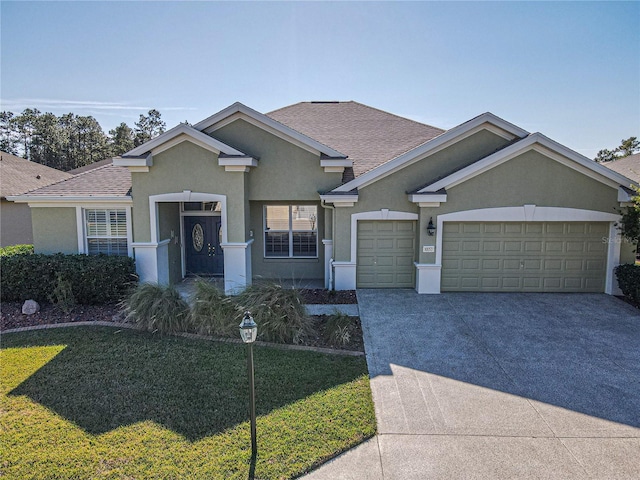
212, 313
279, 312
62, 295
16, 250
338, 329
157, 308
94, 279
628, 276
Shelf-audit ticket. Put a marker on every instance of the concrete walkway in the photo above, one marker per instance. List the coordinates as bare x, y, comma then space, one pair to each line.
498, 386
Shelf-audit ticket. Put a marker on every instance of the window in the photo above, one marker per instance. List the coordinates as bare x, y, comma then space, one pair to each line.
290, 231
106, 232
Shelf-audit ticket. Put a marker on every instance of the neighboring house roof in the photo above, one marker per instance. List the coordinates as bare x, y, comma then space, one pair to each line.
108, 181
91, 166
18, 175
370, 137
627, 166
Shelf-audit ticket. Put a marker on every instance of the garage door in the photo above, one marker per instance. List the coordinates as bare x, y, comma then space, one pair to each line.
386, 252
524, 257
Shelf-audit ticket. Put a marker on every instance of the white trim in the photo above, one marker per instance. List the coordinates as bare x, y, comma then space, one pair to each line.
260, 120
542, 145
134, 162
486, 121
624, 196
196, 135
237, 164
185, 196
80, 229
613, 259
384, 214
340, 200
533, 213
427, 200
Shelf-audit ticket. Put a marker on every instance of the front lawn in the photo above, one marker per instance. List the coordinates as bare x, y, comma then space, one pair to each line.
93, 402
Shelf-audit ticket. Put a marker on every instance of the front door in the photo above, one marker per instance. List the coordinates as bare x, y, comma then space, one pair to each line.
202, 245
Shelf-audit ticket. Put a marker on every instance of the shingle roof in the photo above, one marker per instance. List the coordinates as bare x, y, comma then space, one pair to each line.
91, 166
18, 175
627, 166
105, 181
370, 137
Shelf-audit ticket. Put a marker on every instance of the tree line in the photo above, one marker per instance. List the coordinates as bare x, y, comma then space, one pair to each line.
71, 141
626, 148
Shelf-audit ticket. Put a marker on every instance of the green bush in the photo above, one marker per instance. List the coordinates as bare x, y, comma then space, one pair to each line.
279, 312
157, 308
16, 250
94, 279
628, 276
212, 313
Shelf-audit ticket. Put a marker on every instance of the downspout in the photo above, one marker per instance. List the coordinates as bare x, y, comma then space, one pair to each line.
333, 234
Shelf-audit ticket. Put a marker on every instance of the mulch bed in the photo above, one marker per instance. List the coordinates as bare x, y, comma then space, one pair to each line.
11, 316
320, 296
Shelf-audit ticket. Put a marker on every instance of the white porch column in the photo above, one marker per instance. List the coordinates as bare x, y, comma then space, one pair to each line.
427, 277
237, 266
344, 275
152, 262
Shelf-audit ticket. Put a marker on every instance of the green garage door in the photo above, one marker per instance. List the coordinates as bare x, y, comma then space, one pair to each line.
386, 251
524, 257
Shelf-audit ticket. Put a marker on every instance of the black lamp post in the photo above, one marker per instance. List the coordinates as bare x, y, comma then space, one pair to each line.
248, 333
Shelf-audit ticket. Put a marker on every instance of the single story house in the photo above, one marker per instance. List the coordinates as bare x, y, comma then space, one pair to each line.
351, 195
19, 176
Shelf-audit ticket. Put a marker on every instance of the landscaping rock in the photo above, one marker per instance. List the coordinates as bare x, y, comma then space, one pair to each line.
30, 307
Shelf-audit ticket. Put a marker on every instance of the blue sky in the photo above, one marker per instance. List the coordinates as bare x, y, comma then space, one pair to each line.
570, 70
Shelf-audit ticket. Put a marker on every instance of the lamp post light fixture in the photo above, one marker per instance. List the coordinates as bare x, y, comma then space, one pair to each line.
248, 333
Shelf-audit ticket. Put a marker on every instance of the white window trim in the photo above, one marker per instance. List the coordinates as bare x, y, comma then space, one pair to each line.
290, 231
83, 244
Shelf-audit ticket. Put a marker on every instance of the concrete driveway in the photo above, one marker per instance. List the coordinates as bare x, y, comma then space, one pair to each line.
499, 386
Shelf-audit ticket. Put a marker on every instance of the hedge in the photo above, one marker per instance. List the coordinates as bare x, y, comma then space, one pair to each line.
629, 281
16, 250
94, 279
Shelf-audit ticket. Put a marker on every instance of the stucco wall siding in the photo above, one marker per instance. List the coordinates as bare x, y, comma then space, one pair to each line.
390, 191
284, 172
54, 230
15, 224
189, 167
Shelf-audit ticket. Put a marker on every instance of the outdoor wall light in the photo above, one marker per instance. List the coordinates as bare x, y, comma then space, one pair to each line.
248, 333
431, 229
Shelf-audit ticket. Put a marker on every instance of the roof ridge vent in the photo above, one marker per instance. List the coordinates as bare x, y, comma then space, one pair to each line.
325, 101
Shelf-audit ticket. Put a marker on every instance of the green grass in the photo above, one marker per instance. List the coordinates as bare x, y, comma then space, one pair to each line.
92, 402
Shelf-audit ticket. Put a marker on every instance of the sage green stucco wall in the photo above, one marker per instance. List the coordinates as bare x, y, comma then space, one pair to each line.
15, 224
169, 220
300, 269
189, 167
285, 172
54, 230
390, 192
529, 179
